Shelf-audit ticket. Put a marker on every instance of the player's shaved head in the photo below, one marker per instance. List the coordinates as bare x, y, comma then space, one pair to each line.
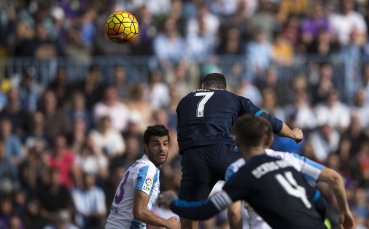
252, 130
214, 81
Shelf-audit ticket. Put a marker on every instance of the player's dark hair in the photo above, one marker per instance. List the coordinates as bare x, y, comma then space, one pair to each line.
251, 129
155, 130
214, 80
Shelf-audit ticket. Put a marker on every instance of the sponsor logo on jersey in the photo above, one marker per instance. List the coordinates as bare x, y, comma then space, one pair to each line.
147, 184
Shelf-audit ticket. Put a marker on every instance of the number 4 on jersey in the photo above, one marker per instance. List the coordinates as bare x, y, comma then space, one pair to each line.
203, 101
292, 188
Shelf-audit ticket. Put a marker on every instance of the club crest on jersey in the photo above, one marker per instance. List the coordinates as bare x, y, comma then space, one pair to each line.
147, 184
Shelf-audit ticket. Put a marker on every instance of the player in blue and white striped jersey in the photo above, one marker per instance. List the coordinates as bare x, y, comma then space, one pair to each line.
312, 172
139, 188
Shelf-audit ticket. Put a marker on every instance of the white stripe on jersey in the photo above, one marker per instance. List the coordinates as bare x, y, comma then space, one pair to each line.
221, 200
308, 168
143, 176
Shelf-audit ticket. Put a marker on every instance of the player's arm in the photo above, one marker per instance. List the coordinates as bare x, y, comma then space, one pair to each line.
336, 183
140, 212
279, 127
197, 210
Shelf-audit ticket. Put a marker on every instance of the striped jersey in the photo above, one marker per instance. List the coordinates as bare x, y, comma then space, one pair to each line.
308, 168
143, 176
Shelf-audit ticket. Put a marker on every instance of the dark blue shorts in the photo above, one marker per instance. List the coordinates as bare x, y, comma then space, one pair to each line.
202, 167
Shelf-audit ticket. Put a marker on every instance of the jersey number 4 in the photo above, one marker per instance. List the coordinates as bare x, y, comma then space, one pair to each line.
201, 105
290, 185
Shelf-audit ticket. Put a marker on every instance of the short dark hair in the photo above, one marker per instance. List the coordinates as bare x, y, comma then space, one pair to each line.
251, 129
155, 130
214, 80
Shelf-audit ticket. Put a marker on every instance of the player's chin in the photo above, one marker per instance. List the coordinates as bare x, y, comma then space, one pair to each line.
162, 157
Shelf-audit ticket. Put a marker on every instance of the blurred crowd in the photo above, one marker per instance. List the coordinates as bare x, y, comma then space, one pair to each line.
65, 145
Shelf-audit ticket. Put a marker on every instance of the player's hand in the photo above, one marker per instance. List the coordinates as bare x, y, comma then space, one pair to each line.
297, 135
166, 198
173, 223
346, 220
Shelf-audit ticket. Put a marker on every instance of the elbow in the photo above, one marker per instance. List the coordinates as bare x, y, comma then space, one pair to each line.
334, 178
138, 213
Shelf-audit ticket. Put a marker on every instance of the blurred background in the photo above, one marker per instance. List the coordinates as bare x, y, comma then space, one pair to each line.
74, 105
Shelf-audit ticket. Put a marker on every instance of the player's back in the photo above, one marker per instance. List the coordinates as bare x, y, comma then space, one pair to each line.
277, 192
137, 177
205, 117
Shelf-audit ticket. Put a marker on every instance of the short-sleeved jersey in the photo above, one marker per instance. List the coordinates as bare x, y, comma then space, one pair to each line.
143, 176
308, 168
206, 117
277, 192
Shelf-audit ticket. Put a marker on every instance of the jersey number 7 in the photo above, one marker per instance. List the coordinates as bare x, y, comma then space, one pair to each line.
290, 185
203, 101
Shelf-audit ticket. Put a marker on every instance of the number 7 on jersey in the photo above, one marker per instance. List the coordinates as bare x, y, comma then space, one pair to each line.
203, 101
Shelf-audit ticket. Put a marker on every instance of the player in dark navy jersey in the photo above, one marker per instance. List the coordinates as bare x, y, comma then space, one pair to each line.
273, 187
205, 119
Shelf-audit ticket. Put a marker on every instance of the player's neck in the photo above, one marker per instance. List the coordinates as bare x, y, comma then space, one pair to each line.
253, 151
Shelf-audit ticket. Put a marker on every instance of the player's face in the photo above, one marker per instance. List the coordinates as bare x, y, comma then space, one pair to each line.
157, 149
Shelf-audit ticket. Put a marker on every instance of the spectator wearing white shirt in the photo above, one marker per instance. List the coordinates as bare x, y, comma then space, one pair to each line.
333, 112
210, 20
158, 92
108, 139
347, 22
112, 107
324, 141
89, 202
361, 108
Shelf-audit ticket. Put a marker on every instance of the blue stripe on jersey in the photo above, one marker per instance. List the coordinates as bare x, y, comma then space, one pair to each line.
259, 112
316, 196
141, 176
153, 186
136, 224
192, 204
309, 162
309, 178
229, 173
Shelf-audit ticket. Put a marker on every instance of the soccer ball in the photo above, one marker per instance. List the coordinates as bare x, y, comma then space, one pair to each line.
121, 26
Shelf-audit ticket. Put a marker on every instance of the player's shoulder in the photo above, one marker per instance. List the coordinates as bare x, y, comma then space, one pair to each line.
143, 163
234, 167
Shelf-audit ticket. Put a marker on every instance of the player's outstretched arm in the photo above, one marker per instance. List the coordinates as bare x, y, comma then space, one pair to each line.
336, 182
296, 133
197, 210
141, 213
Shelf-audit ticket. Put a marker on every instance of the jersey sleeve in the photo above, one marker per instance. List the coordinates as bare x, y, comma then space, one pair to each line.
308, 168
201, 210
233, 168
250, 108
146, 178
239, 185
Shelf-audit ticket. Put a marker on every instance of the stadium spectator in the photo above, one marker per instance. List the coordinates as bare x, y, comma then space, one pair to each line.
139, 106
63, 160
54, 196
112, 107
158, 91
8, 172
107, 139
17, 115
89, 201
346, 21
333, 112
169, 46
33, 168
55, 119
13, 145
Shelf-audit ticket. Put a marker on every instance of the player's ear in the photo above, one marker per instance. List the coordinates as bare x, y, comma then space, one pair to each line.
146, 148
270, 140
